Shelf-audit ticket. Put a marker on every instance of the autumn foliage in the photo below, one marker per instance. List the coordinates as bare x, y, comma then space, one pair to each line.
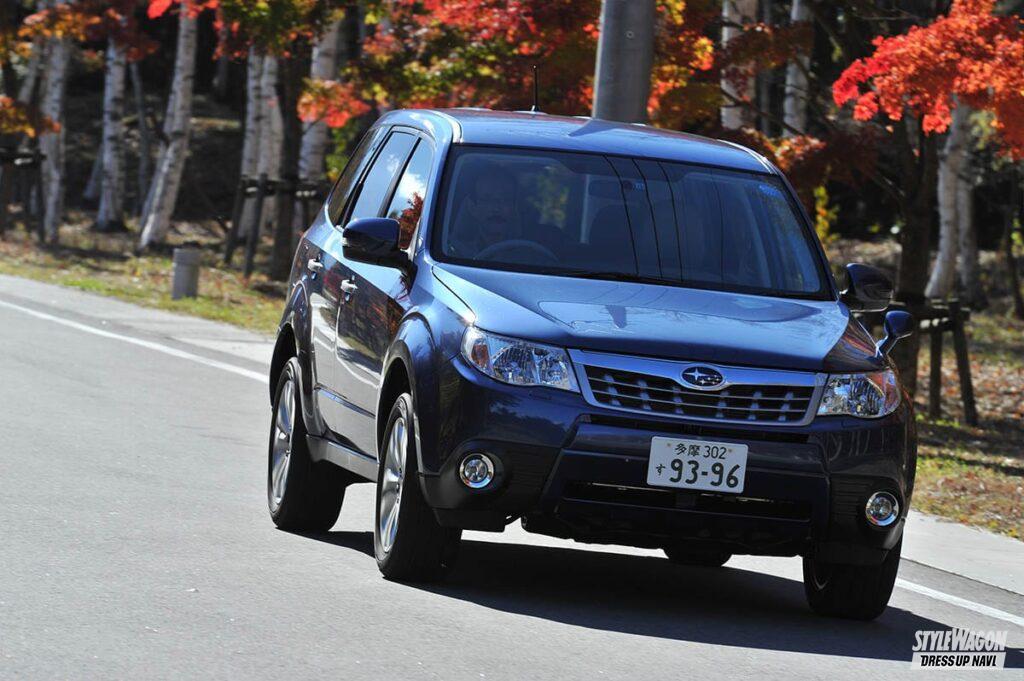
971, 54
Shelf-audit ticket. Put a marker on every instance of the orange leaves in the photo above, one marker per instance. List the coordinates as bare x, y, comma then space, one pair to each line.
329, 101
971, 54
15, 119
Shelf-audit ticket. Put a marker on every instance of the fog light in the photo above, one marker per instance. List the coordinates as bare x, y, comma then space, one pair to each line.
882, 509
476, 471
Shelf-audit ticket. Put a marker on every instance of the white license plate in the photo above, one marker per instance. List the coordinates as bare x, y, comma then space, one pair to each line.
697, 464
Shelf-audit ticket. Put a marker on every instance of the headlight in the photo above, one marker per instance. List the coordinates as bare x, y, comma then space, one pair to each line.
518, 362
867, 396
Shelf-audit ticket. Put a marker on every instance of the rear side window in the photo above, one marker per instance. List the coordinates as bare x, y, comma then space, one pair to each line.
407, 204
382, 174
356, 164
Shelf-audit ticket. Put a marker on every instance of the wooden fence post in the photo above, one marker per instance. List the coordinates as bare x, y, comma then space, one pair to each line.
963, 363
254, 231
935, 376
231, 243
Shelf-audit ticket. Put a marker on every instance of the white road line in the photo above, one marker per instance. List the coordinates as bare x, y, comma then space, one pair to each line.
174, 352
159, 347
961, 602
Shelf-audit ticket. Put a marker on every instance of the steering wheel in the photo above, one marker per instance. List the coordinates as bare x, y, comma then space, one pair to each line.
510, 244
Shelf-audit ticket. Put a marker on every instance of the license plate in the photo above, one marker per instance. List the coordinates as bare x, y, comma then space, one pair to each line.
697, 464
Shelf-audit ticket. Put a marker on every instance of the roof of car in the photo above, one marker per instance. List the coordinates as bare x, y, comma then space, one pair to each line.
582, 134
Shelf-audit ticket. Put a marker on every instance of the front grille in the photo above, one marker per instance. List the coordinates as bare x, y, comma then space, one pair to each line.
659, 395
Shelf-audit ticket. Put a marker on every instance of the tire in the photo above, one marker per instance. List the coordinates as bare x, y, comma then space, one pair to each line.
302, 495
409, 544
856, 592
684, 556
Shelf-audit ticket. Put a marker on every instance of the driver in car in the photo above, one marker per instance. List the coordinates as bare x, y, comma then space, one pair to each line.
488, 215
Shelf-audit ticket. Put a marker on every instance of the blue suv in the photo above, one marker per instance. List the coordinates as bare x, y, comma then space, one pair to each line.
612, 333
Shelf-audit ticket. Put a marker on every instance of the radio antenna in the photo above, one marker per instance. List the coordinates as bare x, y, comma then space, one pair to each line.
536, 93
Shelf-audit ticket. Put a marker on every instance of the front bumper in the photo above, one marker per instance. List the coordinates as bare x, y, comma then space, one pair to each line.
570, 469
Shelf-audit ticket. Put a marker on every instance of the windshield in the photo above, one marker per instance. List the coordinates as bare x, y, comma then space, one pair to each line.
618, 218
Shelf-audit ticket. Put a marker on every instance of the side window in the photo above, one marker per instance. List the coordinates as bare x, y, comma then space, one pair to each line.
353, 169
407, 204
381, 175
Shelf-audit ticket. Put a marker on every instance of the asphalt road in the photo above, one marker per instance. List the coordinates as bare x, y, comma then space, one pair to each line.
135, 543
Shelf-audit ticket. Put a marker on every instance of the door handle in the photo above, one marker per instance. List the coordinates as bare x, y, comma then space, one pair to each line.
314, 265
349, 286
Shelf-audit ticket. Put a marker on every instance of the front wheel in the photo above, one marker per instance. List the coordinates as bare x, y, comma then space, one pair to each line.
409, 543
858, 592
303, 495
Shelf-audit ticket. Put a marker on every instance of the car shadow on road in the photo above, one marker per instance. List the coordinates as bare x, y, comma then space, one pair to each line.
649, 596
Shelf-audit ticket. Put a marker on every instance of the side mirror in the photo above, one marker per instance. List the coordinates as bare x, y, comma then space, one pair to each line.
898, 324
374, 241
868, 289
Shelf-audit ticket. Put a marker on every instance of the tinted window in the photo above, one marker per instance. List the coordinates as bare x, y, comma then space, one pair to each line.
590, 215
382, 173
407, 204
353, 169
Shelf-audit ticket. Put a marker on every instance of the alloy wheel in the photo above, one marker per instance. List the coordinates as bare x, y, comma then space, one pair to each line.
391, 484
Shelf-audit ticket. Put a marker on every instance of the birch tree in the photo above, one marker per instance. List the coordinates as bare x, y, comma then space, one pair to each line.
112, 179
968, 265
794, 105
163, 190
58, 56
314, 139
736, 13
254, 116
951, 164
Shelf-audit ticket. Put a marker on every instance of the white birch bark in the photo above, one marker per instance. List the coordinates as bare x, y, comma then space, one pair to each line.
92, 187
254, 110
970, 274
271, 135
27, 89
52, 144
111, 210
950, 166
163, 190
794, 105
736, 12
314, 139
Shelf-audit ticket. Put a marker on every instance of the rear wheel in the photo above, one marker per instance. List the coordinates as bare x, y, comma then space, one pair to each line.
686, 556
409, 543
859, 592
303, 495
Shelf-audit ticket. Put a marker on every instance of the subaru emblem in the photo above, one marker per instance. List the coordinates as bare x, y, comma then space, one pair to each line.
703, 377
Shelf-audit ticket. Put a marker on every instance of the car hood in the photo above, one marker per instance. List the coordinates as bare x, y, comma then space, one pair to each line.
664, 321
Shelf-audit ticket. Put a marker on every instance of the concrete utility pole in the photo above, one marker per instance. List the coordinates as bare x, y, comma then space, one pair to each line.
625, 55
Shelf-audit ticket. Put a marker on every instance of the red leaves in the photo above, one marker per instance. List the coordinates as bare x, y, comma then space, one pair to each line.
157, 8
971, 54
329, 101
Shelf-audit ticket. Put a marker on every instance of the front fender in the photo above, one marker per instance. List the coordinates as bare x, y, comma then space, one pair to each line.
413, 351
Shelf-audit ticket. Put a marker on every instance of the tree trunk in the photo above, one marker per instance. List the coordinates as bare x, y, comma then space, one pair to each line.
314, 139
27, 89
271, 133
919, 170
1006, 249
970, 272
734, 14
625, 55
52, 144
289, 88
163, 191
251, 145
951, 166
145, 138
91, 193
794, 105
110, 216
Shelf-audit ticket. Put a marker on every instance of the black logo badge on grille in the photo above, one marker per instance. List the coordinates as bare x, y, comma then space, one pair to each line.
703, 377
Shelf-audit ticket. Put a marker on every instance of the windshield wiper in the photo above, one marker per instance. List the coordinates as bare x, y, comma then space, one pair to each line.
597, 274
